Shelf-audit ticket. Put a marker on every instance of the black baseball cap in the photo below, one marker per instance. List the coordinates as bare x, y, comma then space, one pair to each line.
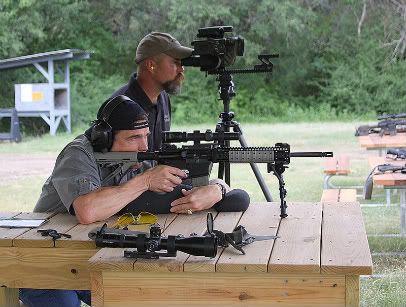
122, 113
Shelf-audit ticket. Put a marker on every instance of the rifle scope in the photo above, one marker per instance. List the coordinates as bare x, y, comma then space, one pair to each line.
148, 245
197, 136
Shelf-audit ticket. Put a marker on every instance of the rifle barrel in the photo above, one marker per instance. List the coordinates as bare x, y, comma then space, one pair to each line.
392, 116
311, 154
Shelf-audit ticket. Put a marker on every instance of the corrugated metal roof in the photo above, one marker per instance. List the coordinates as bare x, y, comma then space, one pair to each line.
26, 60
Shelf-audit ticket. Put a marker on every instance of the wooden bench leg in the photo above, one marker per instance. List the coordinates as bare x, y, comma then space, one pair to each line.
9, 297
351, 290
96, 280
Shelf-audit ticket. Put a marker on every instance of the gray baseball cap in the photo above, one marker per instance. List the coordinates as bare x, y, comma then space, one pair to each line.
156, 43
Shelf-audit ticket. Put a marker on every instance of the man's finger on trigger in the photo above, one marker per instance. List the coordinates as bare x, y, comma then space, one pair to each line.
175, 180
178, 172
167, 188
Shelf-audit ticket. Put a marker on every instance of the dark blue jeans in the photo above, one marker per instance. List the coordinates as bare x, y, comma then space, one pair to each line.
54, 298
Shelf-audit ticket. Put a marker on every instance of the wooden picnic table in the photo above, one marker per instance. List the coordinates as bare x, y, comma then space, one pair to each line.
316, 261
395, 181
375, 141
30, 260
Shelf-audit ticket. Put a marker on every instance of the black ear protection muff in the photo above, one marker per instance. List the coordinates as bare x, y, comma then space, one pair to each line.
101, 133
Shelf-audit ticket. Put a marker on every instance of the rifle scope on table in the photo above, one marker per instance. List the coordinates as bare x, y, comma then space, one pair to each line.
148, 245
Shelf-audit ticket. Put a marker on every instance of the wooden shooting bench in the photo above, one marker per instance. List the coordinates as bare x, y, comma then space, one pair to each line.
392, 181
316, 261
339, 195
335, 166
30, 260
374, 141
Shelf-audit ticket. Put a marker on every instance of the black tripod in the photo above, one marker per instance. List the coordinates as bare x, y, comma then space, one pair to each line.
226, 122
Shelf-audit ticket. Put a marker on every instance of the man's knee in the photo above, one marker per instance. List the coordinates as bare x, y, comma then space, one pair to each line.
49, 298
220, 181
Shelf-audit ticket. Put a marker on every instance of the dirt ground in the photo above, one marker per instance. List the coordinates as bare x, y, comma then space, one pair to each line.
18, 166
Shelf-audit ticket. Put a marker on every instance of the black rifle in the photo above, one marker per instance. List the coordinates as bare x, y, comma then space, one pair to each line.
396, 153
198, 160
377, 170
392, 116
389, 124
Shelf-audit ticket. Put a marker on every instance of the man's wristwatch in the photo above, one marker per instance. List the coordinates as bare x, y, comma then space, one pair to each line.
223, 190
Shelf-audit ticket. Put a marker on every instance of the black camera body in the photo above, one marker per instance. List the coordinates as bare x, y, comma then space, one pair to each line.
215, 50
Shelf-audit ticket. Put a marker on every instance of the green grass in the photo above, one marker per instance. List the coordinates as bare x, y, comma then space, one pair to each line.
304, 180
45, 143
384, 292
21, 195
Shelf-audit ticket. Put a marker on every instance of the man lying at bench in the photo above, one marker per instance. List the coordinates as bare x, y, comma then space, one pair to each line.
91, 193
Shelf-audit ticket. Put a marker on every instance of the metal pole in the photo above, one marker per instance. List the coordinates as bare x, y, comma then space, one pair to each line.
403, 211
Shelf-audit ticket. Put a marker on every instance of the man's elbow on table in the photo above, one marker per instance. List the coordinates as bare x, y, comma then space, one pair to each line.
84, 212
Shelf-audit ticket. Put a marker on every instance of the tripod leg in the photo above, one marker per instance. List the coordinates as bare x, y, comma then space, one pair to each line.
255, 169
224, 172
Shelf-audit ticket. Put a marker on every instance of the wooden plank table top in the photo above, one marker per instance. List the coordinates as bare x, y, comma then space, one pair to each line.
316, 261
375, 141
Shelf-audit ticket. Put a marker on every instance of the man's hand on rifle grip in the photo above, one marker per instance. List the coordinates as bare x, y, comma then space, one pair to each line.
163, 178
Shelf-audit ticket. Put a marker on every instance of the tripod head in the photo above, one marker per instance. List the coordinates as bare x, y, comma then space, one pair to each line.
215, 49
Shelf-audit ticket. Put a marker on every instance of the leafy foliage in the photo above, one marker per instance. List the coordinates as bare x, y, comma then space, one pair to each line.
337, 58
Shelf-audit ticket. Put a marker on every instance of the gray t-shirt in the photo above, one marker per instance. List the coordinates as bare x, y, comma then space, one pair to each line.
76, 173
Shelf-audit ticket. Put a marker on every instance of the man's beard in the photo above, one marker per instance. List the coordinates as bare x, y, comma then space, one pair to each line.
173, 87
